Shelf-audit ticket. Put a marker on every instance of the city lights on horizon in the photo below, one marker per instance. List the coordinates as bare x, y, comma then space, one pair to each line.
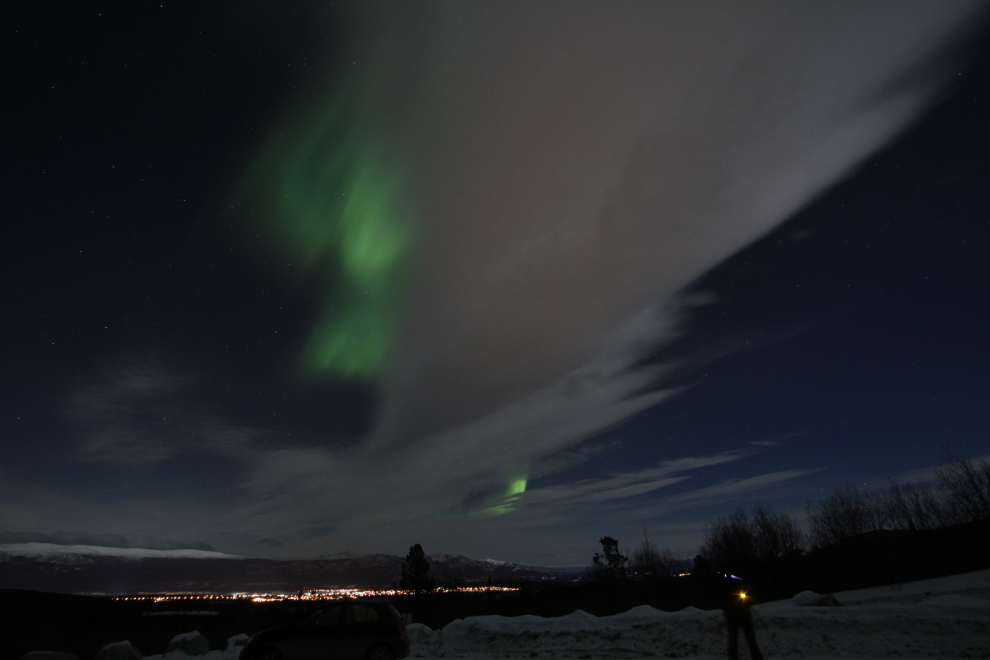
309, 595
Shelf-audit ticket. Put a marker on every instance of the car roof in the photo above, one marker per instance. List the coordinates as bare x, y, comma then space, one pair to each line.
357, 601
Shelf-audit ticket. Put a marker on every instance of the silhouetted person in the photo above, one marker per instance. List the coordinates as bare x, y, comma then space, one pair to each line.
736, 607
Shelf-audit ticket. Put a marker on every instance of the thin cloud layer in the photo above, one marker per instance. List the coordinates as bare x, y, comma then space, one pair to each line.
586, 161
579, 164
139, 412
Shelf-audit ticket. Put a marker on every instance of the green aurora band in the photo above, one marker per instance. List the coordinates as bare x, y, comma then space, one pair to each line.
497, 502
326, 187
512, 495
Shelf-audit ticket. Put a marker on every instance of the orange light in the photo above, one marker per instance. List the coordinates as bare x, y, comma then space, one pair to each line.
742, 595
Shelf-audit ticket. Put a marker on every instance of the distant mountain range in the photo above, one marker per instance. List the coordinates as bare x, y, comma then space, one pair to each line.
82, 569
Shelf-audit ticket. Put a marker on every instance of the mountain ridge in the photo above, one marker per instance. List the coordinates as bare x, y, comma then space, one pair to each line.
99, 570
35, 549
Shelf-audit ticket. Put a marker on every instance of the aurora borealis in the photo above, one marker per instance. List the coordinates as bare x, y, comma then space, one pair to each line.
496, 278
326, 188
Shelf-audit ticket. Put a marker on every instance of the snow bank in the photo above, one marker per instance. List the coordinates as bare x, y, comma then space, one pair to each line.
906, 620
812, 599
190, 643
977, 581
639, 632
119, 651
230, 654
233, 651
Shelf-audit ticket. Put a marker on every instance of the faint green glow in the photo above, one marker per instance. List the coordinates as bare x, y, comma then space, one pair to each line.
499, 510
512, 495
325, 191
496, 503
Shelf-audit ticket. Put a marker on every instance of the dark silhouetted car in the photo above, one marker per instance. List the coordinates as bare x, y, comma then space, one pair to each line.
343, 630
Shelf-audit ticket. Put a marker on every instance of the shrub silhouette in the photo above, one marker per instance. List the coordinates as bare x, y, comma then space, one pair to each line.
610, 563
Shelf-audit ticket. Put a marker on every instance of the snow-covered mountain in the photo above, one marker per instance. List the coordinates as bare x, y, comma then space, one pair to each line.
69, 553
442, 563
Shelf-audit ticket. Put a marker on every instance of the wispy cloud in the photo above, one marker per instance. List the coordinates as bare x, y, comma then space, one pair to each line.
733, 488
634, 483
562, 201
139, 412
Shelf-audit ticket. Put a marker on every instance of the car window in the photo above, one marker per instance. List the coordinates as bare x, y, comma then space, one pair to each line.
328, 617
364, 614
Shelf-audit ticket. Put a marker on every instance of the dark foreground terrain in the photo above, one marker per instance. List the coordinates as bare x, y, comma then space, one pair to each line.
31, 620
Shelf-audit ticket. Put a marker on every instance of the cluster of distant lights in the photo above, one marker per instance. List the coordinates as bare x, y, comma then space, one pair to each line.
167, 597
315, 594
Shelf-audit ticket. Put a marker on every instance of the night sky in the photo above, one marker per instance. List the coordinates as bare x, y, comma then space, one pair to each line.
293, 279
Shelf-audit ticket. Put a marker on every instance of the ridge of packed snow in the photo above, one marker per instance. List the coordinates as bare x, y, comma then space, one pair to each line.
945, 617
53, 550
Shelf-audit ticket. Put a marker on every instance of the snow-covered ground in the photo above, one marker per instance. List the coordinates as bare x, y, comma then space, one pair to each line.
945, 618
